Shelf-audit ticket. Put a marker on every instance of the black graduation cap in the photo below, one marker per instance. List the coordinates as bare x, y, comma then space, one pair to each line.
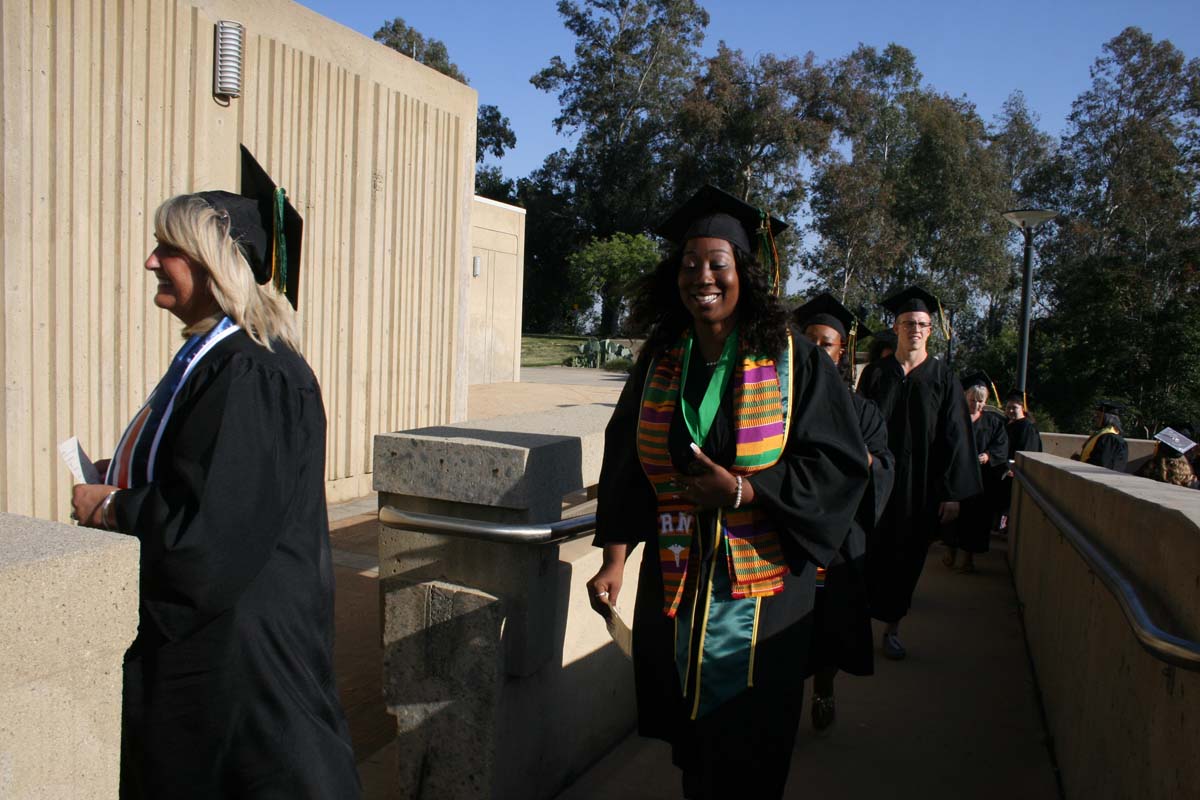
885, 337
257, 216
914, 298
976, 378
825, 309
712, 212
1018, 395
1110, 406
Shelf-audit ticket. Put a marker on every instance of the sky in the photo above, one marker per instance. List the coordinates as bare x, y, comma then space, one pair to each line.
984, 51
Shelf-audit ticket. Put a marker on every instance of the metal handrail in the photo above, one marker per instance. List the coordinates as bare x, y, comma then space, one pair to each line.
1165, 646
562, 530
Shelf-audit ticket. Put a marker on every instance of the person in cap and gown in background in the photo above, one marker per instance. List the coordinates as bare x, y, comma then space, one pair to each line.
972, 530
229, 686
734, 455
1106, 447
883, 344
1023, 436
1169, 463
842, 626
930, 435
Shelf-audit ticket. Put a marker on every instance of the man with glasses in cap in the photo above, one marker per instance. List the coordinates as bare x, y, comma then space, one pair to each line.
929, 433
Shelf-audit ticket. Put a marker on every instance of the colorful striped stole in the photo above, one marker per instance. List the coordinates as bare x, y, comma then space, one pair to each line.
755, 556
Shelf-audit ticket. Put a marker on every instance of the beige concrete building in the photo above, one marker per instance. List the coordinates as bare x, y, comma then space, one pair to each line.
108, 108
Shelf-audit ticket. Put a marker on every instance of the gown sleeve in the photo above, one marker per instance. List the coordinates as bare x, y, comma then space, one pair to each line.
883, 463
210, 519
1110, 452
814, 489
625, 504
997, 445
960, 476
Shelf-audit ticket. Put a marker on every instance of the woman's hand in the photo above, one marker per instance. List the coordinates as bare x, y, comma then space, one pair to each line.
716, 487
605, 587
102, 466
983, 458
86, 499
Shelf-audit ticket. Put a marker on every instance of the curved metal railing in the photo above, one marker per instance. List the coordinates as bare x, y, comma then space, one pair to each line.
560, 531
1163, 645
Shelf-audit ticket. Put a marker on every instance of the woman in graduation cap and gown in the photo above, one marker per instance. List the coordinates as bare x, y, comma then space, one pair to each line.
842, 622
229, 686
936, 465
734, 455
971, 532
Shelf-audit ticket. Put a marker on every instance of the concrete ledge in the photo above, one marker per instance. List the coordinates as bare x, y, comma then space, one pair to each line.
68, 611
522, 462
1124, 724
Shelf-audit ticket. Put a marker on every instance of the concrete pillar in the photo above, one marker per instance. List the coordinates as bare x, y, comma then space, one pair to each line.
68, 611
503, 682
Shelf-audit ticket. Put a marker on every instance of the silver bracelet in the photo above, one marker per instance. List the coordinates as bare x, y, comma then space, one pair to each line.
104, 506
737, 500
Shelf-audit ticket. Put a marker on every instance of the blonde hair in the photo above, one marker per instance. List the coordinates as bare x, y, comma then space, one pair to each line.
188, 223
977, 392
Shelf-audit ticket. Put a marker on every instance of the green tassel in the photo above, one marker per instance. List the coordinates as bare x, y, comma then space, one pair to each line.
279, 265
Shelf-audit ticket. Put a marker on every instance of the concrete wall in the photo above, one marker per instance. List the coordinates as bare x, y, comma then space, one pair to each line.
1124, 724
68, 611
494, 338
108, 109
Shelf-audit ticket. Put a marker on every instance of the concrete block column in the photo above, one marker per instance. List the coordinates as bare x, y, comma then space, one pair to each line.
503, 682
68, 611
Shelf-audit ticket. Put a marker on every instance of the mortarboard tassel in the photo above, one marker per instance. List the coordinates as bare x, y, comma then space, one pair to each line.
279, 266
768, 256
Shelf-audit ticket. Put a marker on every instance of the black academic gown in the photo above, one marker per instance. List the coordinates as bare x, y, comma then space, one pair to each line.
842, 624
929, 433
972, 530
1110, 452
229, 686
1023, 437
811, 493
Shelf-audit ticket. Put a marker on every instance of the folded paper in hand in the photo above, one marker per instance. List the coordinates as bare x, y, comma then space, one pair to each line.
620, 632
78, 462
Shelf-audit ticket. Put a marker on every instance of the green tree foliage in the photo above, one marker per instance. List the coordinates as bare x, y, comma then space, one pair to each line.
912, 192
493, 132
632, 65
1119, 274
608, 267
397, 35
752, 127
555, 299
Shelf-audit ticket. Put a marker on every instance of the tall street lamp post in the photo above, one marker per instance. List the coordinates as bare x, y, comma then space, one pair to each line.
1026, 219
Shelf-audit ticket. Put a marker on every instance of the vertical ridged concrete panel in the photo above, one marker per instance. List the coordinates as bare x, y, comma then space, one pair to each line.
108, 110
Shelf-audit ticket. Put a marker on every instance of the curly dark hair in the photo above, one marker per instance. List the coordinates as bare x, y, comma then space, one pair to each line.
658, 309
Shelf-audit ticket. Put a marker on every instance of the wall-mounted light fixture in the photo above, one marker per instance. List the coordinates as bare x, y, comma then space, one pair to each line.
475, 266
229, 44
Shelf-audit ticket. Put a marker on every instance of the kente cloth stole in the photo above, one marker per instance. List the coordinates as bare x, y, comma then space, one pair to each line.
754, 554
132, 463
1090, 445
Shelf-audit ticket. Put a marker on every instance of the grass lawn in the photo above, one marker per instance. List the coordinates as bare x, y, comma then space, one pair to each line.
548, 351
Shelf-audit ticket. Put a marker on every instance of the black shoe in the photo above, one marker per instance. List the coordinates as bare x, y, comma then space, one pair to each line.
824, 714
892, 648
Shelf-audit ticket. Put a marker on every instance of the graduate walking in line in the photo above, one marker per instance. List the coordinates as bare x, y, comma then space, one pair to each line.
842, 614
1106, 447
929, 433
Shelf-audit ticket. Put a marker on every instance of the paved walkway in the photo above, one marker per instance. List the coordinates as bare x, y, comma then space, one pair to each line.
957, 719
